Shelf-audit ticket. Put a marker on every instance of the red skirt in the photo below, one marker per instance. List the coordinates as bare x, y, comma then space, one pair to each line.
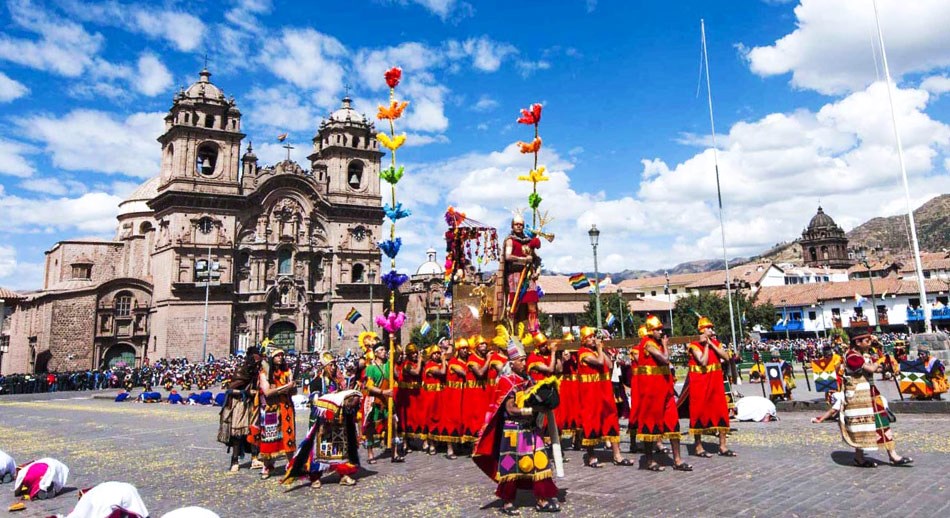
566, 414
708, 409
657, 417
473, 412
451, 405
431, 413
599, 422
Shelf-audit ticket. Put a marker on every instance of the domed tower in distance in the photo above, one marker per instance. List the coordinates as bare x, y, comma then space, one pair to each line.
824, 243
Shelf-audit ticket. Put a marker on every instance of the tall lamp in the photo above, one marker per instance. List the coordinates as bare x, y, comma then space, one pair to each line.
372, 281
594, 237
623, 333
867, 264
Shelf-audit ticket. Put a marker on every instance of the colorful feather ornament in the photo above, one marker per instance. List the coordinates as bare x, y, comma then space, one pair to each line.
394, 279
395, 143
532, 117
535, 176
392, 175
397, 212
391, 322
393, 75
391, 247
528, 147
393, 111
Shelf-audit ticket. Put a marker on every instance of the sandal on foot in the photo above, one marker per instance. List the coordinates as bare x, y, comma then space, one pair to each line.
316, 484
235, 468
451, 456
904, 461
727, 453
510, 511
265, 475
663, 450
623, 462
399, 459
549, 507
654, 467
682, 466
347, 481
704, 454
865, 463
371, 461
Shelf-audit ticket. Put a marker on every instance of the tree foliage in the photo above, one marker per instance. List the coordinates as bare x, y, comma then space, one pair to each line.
610, 303
430, 338
716, 308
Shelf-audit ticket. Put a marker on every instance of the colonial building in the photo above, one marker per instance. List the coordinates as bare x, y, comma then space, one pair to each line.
215, 245
824, 243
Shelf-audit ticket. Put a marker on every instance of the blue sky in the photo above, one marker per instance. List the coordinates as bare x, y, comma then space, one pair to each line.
800, 111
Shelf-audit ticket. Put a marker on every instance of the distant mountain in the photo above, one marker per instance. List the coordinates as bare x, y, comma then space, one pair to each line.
702, 265
892, 233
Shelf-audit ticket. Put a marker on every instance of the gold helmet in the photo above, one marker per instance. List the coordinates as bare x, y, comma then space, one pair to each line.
461, 343
539, 339
653, 323
704, 323
642, 331
587, 332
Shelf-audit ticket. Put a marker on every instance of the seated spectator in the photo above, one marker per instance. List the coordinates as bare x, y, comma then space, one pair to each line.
110, 499
41, 479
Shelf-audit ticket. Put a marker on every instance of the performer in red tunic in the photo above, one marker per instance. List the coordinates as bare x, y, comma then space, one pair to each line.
657, 417
496, 363
708, 409
521, 265
452, 397
433, 376
542, 362
476, 388
599, 422
407, 396
567, 413
634, 389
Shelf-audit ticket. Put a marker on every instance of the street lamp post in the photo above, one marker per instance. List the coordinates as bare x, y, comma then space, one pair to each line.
669, 298
877, 323
205, 226
785, 318
4, 346
623, 333
372, 281
594, 237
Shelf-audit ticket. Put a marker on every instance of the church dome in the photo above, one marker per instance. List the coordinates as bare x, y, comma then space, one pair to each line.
138, 200
821, 220
346, 114
431, 266
204, 89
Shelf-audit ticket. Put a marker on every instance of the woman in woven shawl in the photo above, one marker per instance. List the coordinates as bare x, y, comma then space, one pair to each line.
864, 422
238, 412
332, 444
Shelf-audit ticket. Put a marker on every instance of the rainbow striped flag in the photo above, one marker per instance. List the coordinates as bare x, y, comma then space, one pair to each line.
578, 281
353, 315
424, 330
610, 320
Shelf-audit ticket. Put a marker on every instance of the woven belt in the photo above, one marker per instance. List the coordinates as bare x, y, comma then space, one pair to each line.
650, 370
703, 369
455, 384
408, 384
435, 387
475, 384
587, 378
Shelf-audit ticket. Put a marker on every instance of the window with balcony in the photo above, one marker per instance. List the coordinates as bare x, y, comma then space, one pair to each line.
285, 261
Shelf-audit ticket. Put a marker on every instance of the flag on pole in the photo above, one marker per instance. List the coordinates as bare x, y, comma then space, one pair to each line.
579, 280
602, 285
282, 137
339, 329
353, 315
611, 319
858, 299
424, 330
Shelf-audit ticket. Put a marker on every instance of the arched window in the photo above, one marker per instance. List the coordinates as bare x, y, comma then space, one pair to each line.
285, 261
813, 253
356, 142
357, 274
123, 305
824, 252
244, 259
207, 159
354, 174
145, 228
209, 121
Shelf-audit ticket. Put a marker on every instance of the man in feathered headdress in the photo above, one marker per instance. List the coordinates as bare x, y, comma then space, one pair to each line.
521, 460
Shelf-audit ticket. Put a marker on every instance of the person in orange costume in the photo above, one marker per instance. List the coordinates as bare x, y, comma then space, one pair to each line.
708, 408
598, 410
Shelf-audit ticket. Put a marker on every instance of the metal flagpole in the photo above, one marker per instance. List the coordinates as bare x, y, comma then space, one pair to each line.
722, 225
900, 158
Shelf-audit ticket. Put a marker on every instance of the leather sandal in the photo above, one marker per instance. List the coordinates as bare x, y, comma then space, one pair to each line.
704, 454
904, 461
727, 453
682, 466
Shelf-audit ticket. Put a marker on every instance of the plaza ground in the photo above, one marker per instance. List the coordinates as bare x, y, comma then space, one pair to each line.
785, 468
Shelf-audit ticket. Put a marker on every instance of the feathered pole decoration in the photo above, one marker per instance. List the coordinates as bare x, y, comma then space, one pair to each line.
532, 117
392, 322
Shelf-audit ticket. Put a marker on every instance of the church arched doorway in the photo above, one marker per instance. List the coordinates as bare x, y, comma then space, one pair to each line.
41, 363
284, 335
119, 354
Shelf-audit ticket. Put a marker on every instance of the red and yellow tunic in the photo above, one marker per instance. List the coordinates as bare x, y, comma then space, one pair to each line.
407, 400
708, 409
452, 393
431, 399
278, 434
634, 390
497, 362
534, 360
598, 410
657, 417
476, 398
567, 413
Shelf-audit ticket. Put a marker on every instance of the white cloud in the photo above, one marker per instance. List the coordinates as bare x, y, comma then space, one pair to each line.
7, 261
527, 67
13, 161
11, 89
833, 47
64, 47
444, 9
90, 140
53, 186
309, 60
484, 104
91, 212
279, 108
269, 153
183, 30
152, 78
485, 53
936, 84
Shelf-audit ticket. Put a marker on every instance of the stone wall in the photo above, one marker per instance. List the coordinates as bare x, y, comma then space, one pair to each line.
70, 339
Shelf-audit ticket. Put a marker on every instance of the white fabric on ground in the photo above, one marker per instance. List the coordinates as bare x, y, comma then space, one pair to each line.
754, 408
99, 501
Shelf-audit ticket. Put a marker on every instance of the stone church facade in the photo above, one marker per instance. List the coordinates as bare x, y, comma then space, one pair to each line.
282, 251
